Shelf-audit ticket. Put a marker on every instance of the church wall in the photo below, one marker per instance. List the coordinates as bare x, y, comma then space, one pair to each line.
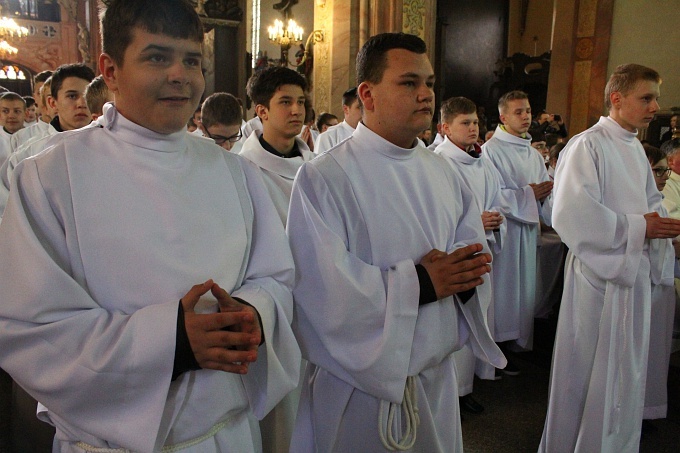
647, 32
537, 20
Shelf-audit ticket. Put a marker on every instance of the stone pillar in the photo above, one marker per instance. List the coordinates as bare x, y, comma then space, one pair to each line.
347, 24
334, 57
581, 52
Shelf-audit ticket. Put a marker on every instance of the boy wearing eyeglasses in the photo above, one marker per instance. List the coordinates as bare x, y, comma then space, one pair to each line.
221, 117
279, 97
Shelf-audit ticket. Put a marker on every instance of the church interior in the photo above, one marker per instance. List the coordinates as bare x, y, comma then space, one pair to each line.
560, 52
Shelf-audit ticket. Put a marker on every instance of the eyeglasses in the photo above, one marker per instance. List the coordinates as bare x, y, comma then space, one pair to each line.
660, 172
219, 139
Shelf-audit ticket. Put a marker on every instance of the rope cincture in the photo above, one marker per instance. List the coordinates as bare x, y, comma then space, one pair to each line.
166, 449
412, 419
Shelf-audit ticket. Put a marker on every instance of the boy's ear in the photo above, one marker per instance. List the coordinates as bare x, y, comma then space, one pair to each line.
366, 96
109, 71
446, 129
262, 112
52, 103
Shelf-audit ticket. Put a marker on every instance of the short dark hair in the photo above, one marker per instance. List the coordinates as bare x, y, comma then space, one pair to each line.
349, 96
69, 70
12, 96
323, 120
537, 137
671, 146
625, 77
42, 76
654, 154
30, 101
371, 59
511, 96
453, 107
96, 95
174, 18
221, 108
263, 84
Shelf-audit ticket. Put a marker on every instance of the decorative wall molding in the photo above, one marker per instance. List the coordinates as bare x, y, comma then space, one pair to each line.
321, 79
413, 18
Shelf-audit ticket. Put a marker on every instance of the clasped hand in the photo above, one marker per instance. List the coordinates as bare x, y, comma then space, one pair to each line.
457, 271
542, 190
491, 220
227, 340
661, 227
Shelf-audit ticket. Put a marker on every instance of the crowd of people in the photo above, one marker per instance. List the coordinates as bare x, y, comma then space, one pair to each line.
178, 279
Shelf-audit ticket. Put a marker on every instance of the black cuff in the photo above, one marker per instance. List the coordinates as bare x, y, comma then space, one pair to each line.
184, 356
464, 296
259, 319
427, 291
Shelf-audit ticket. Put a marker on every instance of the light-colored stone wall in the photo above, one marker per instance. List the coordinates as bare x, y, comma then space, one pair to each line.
647, 32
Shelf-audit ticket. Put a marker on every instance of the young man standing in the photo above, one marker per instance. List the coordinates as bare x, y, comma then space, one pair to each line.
279, 97
606, 210
351, 107
12, 114
460, 128
526, 180
390, 255
151, 276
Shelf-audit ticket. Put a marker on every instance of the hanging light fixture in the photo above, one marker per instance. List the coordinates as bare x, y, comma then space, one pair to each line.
285, 36
7, 49
10, 31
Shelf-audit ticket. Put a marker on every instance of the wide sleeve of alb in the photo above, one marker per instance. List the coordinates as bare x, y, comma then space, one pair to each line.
267, 285
352, 318
88, 365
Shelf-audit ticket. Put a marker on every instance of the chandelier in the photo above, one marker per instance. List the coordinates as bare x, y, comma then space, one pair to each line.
291, 34
285, 36
9, 31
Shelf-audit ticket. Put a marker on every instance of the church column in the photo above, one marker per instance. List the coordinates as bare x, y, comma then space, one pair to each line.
347, 25
581, 54
334, 57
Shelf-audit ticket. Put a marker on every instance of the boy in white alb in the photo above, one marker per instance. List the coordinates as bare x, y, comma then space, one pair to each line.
110, 233
387, 246
526, 180
279, 98
606, 210
279, 152
460, 128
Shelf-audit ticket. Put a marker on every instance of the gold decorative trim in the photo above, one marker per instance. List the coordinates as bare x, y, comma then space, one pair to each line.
584, 48
587, 15
413, 18
323, 20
